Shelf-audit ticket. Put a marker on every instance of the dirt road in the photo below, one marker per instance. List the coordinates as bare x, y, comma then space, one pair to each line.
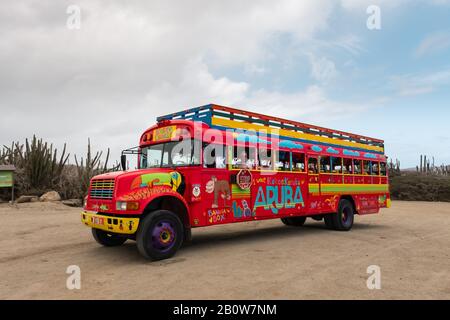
262, 260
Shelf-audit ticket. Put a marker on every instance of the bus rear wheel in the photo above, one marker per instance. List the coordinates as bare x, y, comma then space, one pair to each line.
160, 235
341, 220
294, 221
107, 239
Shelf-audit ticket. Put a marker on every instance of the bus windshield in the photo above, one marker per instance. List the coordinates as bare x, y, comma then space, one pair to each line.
171, 154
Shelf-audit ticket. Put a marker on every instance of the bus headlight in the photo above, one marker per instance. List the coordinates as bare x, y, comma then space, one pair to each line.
125, 206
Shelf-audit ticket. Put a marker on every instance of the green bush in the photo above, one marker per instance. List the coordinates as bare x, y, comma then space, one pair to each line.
416, 187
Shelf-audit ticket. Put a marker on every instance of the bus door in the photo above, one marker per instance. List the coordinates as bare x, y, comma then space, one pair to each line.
314, 192
216, 195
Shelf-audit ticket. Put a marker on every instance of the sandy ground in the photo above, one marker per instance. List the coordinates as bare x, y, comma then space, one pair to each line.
261, 260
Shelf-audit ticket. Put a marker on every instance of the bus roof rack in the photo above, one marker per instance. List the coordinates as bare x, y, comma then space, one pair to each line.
207, 112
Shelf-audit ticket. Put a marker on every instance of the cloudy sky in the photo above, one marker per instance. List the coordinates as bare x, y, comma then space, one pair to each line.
313, 61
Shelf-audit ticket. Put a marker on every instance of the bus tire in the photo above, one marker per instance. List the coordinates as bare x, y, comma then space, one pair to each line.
294, 221
160, 235
343, 218
107, 239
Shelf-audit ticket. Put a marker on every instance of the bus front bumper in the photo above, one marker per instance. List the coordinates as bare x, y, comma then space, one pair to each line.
111, 224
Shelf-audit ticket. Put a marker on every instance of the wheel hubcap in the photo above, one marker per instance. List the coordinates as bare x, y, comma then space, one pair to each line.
163, 236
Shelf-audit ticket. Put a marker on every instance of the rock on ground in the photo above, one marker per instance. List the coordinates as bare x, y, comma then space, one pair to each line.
50, 196
72, 202
23, 199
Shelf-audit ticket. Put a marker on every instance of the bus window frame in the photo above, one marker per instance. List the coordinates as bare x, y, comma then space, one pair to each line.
360, 167
292, 162
277, 159
317, 171
255, 159
378, 166
352, 170
225, 149
385, 169
341, 172
320, 165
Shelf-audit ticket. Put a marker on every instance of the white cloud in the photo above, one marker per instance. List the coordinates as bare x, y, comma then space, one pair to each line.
132, 61
417, 84
433, 43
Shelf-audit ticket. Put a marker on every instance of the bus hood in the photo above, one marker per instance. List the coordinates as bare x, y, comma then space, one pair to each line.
125, 183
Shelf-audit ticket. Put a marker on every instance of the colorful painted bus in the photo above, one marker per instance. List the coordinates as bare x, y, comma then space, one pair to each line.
213, 165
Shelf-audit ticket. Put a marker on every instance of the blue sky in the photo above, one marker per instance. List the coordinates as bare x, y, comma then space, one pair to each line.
312, 61
383, 70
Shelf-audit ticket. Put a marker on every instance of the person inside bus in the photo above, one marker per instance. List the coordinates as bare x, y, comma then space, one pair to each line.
312, 166
242, 161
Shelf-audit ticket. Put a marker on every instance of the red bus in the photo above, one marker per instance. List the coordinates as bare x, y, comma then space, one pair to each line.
214, 165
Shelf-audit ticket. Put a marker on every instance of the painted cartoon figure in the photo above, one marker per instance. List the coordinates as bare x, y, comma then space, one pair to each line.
247, 212
171, 179
219, 187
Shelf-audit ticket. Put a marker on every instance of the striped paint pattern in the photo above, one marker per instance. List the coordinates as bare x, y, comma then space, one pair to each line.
238, 193
348, 188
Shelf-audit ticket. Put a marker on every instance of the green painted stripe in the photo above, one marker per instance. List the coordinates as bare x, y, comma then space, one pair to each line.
235, 190
349, 188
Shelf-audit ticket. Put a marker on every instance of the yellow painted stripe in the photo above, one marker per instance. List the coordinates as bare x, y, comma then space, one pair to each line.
291, 134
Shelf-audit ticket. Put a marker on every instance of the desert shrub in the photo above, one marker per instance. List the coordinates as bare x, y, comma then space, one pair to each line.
39, 169
415, 187
37, 163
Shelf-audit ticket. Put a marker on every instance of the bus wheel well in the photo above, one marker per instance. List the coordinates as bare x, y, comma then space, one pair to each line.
352, 201
172, 204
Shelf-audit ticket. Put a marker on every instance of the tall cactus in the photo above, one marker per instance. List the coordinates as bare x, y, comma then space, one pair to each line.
37, 162
89, 167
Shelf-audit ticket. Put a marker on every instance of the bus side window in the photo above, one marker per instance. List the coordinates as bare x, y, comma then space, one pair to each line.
298, 162
283, 163
366, 167
357, 166
336, 165
375, 168
348, 167
325, 164
214, 156
264, 159
383, 169
312, 166
244, 158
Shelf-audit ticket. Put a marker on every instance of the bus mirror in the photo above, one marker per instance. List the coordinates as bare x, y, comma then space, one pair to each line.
123, 162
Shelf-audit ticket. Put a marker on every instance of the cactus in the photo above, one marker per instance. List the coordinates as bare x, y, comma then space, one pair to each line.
428, 166
37, 163
89, 167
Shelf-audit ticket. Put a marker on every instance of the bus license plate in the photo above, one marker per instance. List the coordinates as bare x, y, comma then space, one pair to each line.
98, 221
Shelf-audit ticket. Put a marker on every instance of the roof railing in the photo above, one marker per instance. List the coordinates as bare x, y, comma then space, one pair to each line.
207, 112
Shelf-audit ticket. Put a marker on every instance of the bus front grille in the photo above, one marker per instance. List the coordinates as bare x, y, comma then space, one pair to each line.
102, 189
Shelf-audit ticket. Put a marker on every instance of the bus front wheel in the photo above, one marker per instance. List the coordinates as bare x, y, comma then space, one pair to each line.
160, 235
294, 221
